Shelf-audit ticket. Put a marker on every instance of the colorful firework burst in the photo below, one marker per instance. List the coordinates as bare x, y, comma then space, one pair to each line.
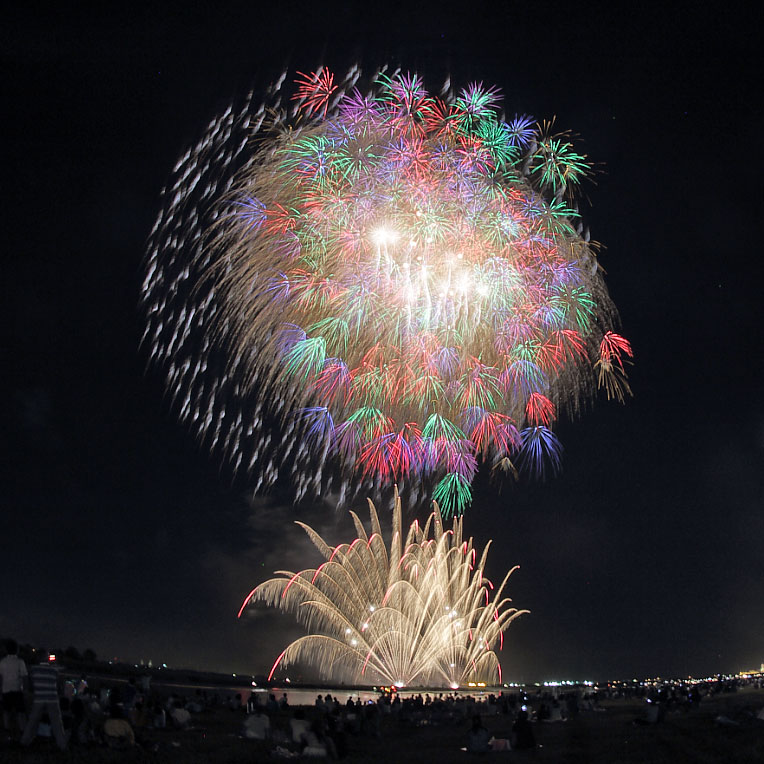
419, 612
380, 288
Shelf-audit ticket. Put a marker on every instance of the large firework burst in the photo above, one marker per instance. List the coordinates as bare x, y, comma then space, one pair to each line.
418, 613
378, 288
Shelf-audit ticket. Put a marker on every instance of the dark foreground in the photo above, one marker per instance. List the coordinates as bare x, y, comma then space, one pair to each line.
609, 735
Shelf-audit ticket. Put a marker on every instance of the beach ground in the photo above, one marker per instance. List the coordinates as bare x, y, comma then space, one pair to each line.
610, 736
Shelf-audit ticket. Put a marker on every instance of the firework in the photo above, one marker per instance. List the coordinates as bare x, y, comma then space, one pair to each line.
368, 289
419, 612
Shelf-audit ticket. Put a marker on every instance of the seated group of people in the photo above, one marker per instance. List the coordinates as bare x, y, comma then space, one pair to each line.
115, 718
320, 737
480, 740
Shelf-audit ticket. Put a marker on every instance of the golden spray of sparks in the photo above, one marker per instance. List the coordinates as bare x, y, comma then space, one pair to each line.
417, 613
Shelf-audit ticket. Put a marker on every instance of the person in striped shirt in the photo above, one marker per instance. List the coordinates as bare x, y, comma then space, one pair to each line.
44, 679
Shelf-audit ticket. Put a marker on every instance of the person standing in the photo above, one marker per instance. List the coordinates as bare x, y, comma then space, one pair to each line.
44, 678
13, 678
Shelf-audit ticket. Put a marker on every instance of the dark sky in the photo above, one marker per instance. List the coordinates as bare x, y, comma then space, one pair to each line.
117, 532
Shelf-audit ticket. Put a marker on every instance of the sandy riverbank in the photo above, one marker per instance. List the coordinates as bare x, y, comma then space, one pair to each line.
606, 736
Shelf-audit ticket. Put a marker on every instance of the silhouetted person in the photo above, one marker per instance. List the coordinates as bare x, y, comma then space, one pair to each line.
117, 730
79, 720
522, 733
13, 677
181, 717
478, 736
130, 694
159, 716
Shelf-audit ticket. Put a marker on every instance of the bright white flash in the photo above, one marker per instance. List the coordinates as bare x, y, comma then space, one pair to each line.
384, 237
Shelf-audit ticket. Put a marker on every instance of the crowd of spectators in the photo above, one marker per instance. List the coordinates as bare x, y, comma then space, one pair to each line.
75, 711
324, 729
37, 702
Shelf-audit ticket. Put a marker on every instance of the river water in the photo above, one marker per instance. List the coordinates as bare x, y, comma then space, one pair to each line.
306, 696
296, 696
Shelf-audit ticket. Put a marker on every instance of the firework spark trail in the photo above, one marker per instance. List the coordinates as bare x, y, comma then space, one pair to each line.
417, 612
379, 288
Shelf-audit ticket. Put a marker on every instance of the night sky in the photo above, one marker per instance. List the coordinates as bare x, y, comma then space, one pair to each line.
117, 532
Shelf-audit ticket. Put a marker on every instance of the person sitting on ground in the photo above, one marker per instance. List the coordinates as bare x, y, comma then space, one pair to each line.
196, 704
234, 702
335, 730
555, 712
522, 733
66, 715
478, 736
652, 714
298, 725
315, 743
117, 730
78, 736
181, 718
139, 716
371, 720
159, 716
257, 726
93, 711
